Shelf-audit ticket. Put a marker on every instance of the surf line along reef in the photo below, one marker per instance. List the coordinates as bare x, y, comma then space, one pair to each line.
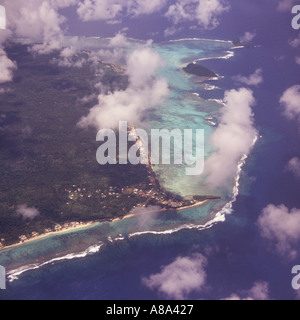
98, 193
154, 195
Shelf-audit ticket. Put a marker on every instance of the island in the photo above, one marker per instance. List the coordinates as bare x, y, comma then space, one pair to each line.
200, 71
239, 43
48, 164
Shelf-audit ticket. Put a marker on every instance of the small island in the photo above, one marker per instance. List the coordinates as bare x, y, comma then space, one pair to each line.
239, 43
200, 71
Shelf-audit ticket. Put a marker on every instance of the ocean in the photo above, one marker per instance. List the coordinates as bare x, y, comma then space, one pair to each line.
109, 260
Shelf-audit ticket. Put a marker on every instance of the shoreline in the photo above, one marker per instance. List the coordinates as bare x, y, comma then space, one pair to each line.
15, 271
92, 224
50, 234
195, 205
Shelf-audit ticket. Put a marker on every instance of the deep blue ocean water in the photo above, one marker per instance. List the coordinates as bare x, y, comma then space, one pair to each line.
237, 255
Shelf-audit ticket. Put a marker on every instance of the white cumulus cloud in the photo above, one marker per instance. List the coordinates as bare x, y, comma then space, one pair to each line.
295, 43
259, 291
205, 12
248, 36
232, 139
285, 5
39, 21
294, 166
6, 67
144, 91
254, 79
27, 212
180, 278
290, 101
280, 226
111, 10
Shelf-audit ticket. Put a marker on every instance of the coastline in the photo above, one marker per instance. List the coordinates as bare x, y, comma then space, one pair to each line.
15, 271
90, 224
127, 216
50, 234
195, 205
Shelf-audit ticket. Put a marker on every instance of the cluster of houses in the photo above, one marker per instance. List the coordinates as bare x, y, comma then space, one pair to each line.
58, 227
160, 197
81, 193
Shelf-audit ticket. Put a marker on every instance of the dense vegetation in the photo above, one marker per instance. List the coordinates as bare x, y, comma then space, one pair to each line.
46, 161
198, 70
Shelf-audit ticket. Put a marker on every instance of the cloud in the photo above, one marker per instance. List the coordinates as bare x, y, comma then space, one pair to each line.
114, 51
254, 79
39, 21
35, 20
205, 12
281, 227
295, 43
2, 18
259, 291
90, 10
26, 132
248, 36
141, 7
2, 119
144, 91
68, 56
42, 22
285, 5
171, 31
294, 166
6, 67
119, 41
146, 216
27, 213
2, 91
297, 59
179, 279
290, 102
112, 10
232, 139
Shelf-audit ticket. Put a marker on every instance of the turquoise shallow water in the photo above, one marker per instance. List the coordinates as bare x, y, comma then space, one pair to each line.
185, 108
181, 110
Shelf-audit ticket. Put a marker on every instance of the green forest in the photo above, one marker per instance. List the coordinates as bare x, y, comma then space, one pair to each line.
45, 158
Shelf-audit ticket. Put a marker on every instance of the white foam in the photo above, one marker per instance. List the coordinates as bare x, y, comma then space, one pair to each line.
209, 87
14, 274
228, 55
199, 39
218, 101
219, 217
